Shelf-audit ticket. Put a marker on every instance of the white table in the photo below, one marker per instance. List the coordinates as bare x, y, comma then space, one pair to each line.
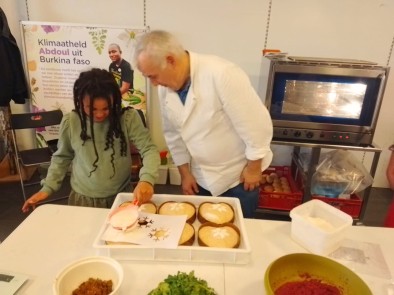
54, 235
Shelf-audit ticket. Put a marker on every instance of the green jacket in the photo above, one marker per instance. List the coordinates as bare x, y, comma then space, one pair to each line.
103, 182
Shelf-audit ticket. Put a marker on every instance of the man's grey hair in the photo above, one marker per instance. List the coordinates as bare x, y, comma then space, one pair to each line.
157, 45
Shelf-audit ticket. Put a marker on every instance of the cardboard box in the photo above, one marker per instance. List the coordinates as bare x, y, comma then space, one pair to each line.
318, 226
8, 171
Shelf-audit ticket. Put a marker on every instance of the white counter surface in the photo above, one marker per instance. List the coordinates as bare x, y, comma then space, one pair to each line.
54, 235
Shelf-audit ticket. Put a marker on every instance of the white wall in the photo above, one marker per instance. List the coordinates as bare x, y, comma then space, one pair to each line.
236, 30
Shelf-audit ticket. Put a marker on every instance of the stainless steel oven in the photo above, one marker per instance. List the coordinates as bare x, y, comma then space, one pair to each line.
326, 100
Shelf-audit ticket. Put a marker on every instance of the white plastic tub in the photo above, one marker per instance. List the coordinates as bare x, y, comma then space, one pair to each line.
319, 227
163, 174
194, 253
175, 176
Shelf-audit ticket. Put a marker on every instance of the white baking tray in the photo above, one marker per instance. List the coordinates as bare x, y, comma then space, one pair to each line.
194, 253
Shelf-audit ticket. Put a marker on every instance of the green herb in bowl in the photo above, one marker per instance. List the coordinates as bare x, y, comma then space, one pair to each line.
183, 284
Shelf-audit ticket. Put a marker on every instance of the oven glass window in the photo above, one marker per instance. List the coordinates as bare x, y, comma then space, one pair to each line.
326, 99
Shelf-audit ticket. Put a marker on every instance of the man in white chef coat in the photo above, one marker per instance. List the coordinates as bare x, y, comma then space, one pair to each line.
216, 127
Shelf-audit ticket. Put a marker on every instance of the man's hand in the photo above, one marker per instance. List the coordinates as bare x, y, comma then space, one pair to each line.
189, 184
251, 175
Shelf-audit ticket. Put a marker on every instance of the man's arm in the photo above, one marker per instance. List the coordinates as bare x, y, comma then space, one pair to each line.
124, 87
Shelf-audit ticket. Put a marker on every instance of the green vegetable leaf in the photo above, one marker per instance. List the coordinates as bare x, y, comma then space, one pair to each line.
183, 284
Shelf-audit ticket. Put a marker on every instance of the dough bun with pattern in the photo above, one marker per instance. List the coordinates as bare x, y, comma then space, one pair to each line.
225, 235
188, 235
179, 208
218, 213
148, 207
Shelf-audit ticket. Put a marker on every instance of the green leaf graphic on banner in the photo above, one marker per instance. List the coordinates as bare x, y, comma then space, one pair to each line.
98, 38
34, 89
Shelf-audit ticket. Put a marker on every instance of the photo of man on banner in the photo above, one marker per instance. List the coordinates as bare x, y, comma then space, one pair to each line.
124, 76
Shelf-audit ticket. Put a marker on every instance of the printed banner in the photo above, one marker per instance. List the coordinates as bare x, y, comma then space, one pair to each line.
56, 53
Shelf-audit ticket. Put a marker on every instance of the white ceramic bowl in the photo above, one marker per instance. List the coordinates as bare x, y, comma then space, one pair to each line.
96, 267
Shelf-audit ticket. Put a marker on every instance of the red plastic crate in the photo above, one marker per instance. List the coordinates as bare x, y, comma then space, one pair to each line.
350, 206
280, 200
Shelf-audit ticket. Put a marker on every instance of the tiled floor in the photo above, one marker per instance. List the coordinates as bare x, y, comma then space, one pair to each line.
11, 201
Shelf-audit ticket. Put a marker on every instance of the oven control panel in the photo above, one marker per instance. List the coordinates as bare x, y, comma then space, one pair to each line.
309, 135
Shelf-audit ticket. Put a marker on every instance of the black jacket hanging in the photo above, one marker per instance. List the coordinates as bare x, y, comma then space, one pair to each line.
13, 83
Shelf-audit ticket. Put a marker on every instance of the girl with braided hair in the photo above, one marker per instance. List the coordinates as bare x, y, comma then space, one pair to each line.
95, 140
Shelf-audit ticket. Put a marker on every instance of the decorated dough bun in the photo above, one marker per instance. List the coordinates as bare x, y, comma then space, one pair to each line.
225, 235
187, 236
218, 213
127, 203
179, 208
148, 207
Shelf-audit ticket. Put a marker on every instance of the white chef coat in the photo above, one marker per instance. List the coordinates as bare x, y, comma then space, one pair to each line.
222, 124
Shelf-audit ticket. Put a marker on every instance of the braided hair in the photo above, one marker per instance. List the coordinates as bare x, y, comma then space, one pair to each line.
98, 83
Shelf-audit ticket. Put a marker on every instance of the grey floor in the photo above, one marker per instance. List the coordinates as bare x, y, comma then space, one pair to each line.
11, 201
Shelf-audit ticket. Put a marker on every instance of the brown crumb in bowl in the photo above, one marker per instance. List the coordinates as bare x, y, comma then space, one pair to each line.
94, 287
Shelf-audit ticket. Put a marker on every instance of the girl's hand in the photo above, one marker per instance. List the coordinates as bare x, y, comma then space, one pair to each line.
143, 192
33, 200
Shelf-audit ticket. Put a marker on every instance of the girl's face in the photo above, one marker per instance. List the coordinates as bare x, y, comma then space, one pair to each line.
100, 108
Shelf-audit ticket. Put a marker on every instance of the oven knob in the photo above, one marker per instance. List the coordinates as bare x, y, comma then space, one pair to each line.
297, 133
309, 134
